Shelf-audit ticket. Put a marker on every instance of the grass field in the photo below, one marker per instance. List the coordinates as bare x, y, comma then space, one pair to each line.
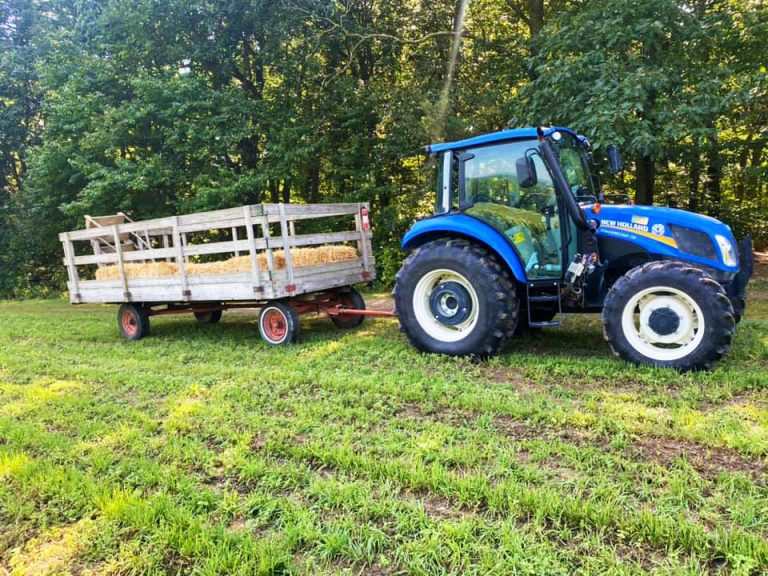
200, 450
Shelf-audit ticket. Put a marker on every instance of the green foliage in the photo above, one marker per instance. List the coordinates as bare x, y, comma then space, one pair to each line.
155, 108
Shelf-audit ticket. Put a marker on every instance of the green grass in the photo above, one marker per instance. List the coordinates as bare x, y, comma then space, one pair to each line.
201, 450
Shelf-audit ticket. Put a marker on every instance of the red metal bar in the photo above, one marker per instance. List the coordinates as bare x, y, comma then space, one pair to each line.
323, 304
354, 312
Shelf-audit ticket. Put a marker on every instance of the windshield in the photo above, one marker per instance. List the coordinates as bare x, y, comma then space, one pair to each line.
573, 162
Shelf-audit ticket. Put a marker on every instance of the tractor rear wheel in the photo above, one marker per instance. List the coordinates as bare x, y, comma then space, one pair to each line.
668, 314
454, 297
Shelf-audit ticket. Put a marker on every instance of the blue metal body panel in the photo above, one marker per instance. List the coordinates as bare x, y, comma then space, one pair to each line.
461, 225
648, 228
515, 134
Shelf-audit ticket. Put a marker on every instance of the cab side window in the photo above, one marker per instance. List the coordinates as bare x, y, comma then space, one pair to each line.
529, 216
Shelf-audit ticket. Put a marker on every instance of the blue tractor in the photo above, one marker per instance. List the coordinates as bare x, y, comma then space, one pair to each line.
519, 236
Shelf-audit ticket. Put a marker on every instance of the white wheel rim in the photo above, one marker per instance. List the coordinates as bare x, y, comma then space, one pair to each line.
423, 311
635, 321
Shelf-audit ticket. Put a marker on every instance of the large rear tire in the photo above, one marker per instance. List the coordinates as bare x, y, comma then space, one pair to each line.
668, 314
454, 297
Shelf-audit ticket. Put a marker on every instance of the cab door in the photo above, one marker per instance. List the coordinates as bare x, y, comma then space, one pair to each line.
532, 218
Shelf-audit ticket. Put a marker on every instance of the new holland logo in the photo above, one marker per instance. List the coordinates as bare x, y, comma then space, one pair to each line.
658, 229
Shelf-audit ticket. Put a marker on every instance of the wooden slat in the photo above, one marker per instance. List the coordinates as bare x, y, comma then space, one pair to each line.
226, 247
365, 239
216, 219
313, 239
69, 252
308, 211
234, 240
293, 211
251, 247
286, 244
180, 258
149, 225
214, 224
264, 222
130, 256
121, 263
217, 216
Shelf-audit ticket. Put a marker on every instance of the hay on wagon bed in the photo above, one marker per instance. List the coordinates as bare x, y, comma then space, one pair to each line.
138, 270
301, 257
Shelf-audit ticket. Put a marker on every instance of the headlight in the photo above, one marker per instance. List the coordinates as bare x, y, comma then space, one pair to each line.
727, 251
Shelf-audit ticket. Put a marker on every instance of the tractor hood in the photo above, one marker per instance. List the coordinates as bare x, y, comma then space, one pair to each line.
671, 233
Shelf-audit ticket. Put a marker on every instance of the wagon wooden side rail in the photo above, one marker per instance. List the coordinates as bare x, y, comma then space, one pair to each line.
256, 231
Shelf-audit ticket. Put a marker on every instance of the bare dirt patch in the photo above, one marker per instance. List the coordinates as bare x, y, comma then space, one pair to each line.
421, 413
761, 264
515, 377
439, 508
520, 430
380, 303
708, 461
510, 376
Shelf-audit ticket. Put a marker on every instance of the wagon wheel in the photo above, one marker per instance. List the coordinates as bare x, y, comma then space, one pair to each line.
278, 324
211, 317
133, 321
349, 299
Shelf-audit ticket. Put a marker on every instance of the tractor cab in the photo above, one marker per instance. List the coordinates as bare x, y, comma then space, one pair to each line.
528, 185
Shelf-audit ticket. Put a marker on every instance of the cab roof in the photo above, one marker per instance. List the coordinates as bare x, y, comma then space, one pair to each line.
512, 134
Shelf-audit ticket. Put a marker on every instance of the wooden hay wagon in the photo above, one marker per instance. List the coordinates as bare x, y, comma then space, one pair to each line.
287, 259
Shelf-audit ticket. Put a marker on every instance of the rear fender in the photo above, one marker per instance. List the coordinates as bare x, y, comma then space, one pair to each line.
461, 226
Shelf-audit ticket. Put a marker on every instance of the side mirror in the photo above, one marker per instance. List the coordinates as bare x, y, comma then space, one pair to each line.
526, 172
614, 159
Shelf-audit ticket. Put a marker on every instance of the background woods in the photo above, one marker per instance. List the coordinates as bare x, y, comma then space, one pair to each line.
159, 107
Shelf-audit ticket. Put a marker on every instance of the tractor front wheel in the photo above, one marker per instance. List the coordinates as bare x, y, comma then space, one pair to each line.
668, 314
454, 297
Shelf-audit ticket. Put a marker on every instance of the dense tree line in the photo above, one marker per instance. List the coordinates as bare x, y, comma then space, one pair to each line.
156, 107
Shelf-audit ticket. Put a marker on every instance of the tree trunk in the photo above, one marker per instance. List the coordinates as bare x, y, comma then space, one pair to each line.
695, 183
713, 185
274, 191
313, 183
535, 17
287, 191
645, 179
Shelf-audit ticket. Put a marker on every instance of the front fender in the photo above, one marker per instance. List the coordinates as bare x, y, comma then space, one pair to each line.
459, 225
